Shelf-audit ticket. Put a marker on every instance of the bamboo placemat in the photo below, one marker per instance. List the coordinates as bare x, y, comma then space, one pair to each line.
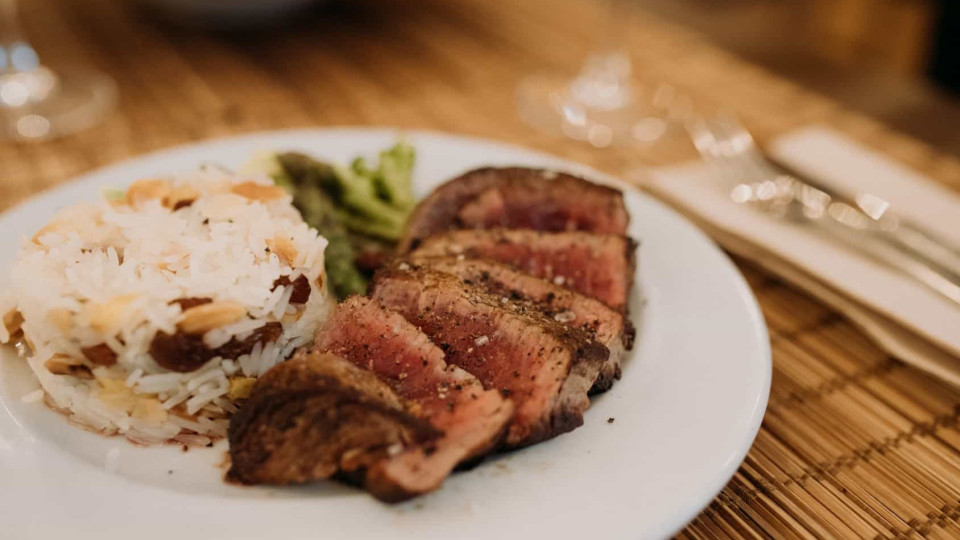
854, 444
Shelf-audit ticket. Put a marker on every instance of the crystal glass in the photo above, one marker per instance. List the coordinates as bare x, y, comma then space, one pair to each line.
37, 103
602, 104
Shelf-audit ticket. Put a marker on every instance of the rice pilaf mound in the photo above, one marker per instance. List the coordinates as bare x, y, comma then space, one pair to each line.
149, 313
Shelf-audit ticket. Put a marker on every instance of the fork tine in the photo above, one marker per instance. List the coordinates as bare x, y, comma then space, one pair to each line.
708, 145
745, 150
702, 137
723, 157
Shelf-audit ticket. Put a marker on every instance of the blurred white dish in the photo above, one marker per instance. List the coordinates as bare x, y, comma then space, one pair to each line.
652, 453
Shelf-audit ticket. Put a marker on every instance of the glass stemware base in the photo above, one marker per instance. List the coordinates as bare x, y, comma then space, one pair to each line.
40, 104
601, 105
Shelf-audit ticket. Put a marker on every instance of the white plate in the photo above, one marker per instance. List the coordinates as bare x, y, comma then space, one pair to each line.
652, 452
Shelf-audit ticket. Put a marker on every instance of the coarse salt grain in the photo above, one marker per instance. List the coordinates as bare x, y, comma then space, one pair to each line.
481, 341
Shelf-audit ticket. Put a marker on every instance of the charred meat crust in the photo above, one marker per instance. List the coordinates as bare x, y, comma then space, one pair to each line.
544, 366
563, 305
318, 416
549, 201
630, 253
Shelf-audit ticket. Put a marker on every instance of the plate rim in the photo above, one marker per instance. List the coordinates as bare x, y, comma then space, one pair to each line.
761, 334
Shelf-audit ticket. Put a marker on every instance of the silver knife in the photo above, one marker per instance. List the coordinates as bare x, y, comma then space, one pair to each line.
884, 222
866, 225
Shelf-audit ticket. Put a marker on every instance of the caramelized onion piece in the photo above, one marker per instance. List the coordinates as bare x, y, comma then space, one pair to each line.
301, 288
191, 302
265, 334
184, 352
180, 352
100, 354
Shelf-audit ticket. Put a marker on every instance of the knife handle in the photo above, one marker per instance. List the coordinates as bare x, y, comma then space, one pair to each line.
923, 244
919, 242
878, 248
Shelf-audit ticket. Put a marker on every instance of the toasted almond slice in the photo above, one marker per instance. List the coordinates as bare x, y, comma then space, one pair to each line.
145, 190
106, 317
258, 192
13, 321
63, 359
116, 393
240, 387
284, 248
61, 318
180, 196
52, 227
149, 409
61, 364
201, 319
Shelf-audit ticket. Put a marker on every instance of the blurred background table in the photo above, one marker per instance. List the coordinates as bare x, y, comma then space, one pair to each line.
853, 444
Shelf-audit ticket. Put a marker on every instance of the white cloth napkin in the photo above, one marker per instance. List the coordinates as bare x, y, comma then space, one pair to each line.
907, 319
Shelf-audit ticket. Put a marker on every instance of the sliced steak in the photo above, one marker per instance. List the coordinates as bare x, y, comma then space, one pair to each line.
563, 305
517, 198
545, 367
597, 265
473, 420
319, 416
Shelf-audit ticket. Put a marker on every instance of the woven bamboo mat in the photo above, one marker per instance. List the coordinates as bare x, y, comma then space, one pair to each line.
854, 444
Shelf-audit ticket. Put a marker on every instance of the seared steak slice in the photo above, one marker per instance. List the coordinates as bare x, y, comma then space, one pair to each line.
545, 367
319, 416
517, 198
473, 420
597, 265
563, 305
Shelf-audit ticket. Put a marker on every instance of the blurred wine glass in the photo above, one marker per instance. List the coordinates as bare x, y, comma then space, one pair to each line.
602, 104
37, 103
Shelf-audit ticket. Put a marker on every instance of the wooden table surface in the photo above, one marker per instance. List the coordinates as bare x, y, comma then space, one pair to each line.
854, 443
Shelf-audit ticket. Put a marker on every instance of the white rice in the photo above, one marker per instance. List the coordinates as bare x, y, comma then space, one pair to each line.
138, 257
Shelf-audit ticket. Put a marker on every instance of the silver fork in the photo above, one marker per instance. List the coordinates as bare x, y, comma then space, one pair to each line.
864, 226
